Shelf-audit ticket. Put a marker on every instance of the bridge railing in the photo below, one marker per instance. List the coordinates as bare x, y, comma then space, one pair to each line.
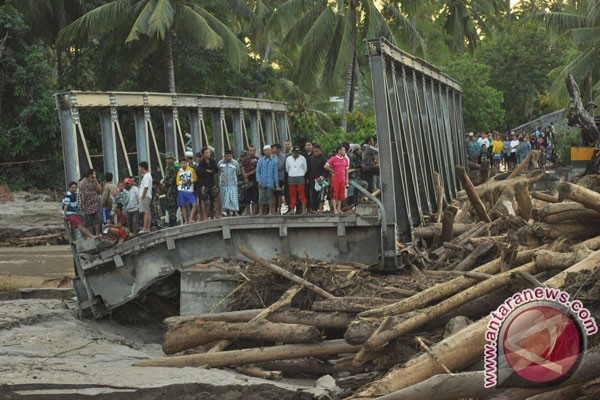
420, 132
236, 122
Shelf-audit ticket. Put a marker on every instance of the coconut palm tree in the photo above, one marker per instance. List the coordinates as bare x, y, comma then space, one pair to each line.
161, 20
580, 25
329, 35
466, 21
46, 18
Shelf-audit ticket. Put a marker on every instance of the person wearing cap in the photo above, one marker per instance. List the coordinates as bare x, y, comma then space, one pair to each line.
189, 156
297, 168
132, 210
186, 177
170, 184
338, 168
267, 178
229, 169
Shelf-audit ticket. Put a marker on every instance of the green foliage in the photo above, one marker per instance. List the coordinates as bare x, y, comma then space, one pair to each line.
28, 122
562, 146
361, 127
520, 62
481, 103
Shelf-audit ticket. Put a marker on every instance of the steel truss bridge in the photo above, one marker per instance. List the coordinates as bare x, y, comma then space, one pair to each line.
420, 133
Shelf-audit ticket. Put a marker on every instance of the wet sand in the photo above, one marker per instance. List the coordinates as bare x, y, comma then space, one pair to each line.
44, 261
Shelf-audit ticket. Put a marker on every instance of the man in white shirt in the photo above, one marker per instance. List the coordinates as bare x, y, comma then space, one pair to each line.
132, 210
514, 142
296, 168
145, 196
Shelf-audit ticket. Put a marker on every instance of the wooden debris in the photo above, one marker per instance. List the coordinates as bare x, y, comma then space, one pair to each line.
250, 356
472, 194
284, 273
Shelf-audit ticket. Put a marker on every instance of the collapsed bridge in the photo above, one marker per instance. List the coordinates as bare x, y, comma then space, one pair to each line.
420, 134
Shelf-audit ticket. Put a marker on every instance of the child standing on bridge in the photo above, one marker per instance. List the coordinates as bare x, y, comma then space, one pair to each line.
186, 177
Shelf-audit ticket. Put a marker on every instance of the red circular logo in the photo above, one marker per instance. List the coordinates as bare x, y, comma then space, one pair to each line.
542, 344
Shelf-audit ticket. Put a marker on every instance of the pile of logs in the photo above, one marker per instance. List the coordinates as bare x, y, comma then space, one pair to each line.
497, 238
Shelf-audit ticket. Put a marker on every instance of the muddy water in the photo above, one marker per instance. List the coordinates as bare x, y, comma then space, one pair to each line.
45, 261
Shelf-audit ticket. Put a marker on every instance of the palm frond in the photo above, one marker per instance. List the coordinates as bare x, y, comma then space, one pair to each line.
193, 25
406, 27
314, 47
559, 22
585, 36
234, 49
97, 20
140, 26
295, 36
161, 19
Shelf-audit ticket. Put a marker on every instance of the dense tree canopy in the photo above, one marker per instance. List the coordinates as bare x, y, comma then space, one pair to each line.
511, 58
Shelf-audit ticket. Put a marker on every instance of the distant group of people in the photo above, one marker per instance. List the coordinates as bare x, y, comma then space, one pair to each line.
197, 187
510, 150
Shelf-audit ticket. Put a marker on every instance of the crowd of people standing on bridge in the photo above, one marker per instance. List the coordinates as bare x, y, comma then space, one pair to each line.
507, 151
283, 180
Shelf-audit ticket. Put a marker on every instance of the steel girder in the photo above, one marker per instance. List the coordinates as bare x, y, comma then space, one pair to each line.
228, 115
418, 111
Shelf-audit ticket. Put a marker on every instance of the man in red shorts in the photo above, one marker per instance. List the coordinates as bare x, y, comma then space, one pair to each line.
69, 205
118, 228
338, 166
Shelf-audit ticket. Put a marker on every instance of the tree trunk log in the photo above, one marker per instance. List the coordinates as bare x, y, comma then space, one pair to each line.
286, 274
578, 115
198, 333
523, 201
505, 205
474, 256
552, 260
544, 197
459, 350
429, 231
500, 185
442, 290
250, 356
572, 230
524, 164
561, 212
587, 197
257, 372
350, 304
329, 320
472, 194
448, 223
435, 311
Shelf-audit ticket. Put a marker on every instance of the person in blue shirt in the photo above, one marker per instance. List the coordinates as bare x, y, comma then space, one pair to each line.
69, 206
267, 178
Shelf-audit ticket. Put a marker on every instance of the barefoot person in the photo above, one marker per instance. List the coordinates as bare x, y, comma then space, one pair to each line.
337, 166
69, 205
118, 227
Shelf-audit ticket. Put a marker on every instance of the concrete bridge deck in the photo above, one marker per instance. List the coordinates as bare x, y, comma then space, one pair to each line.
115, 276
